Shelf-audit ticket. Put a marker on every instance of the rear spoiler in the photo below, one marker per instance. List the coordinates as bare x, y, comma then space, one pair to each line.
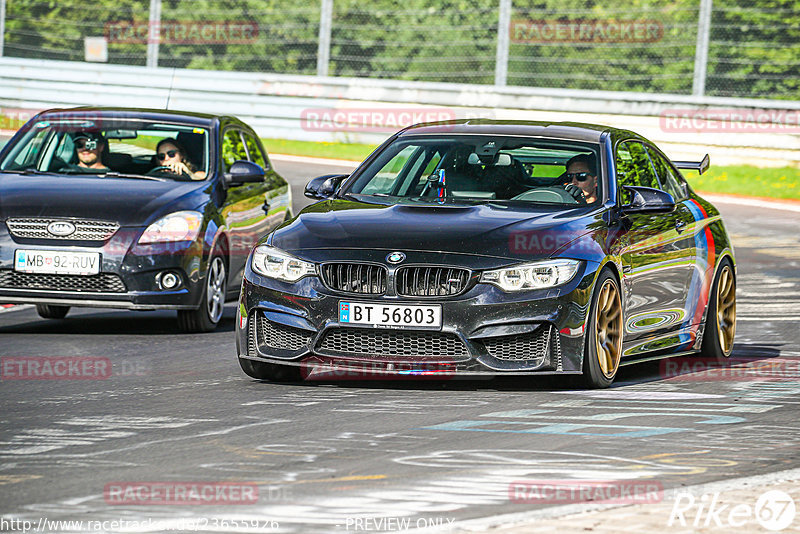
700, 167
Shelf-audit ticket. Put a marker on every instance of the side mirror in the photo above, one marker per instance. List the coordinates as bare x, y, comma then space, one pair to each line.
244, 172
648, 200
325, 186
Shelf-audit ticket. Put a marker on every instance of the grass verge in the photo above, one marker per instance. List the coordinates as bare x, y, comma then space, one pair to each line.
771, 182
349, 151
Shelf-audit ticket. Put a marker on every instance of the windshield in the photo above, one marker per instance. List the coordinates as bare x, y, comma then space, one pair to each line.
113, 147
473, 169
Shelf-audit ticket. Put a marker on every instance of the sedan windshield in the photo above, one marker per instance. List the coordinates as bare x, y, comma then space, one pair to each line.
473, 169
111, 147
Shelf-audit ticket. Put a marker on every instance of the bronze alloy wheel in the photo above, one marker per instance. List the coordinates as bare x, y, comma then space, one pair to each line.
726, 310
608, 328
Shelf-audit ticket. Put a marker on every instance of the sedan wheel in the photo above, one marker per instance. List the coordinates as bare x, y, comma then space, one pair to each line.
604, 340
208, 315
720, 326
49, 311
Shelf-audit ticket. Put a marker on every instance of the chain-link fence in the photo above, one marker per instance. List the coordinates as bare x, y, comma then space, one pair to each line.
735, 48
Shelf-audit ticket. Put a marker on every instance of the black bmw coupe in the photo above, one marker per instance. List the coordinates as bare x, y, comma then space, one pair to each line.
475, 248
133, 209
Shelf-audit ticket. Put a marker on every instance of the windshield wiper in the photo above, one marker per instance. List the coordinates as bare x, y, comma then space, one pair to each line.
115, 174
26, 171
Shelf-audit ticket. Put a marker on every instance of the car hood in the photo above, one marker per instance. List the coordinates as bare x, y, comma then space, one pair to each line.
129, 202
486, 229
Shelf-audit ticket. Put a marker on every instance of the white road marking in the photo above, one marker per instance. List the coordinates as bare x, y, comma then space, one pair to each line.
752, 202
522, 518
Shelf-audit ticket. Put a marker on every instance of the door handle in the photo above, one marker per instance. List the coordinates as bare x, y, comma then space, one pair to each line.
680, 226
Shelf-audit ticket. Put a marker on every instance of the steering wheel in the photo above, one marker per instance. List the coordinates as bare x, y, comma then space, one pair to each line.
163, 169
549, 194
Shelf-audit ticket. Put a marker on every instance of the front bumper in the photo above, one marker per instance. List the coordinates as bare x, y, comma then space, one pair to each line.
128, 275
485, 331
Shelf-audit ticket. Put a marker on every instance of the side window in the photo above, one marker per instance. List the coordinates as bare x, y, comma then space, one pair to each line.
232, 148
385, 180
32, 148
669, 182
255, 153
634, 168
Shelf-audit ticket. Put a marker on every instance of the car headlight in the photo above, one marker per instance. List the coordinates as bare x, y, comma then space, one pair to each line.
275, 263
537, 275
178, 226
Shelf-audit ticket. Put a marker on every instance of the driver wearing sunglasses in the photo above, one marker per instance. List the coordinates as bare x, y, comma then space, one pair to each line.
582, 173
170, 154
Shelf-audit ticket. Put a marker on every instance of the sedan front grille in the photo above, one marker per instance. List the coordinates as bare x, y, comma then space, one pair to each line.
85, 230
362, 342
418, 281
98, 283
523, 347
360, 278
278, 336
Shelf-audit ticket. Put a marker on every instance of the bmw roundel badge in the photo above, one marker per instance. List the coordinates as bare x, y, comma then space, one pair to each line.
395, 257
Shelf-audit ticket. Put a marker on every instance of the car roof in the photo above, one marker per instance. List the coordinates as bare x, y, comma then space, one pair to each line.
576, 131
204, 119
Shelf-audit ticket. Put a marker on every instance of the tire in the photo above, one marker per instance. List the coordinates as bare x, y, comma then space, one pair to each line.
207, 316
603, 350
270, 371
720, 327
49, 311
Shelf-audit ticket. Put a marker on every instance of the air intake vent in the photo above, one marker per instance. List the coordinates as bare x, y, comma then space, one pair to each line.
431, 281
361, 278
85, 230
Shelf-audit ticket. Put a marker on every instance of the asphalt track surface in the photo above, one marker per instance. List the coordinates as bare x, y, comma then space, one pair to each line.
376, 456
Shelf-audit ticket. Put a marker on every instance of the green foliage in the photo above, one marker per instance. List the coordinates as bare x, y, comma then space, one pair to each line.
753, 51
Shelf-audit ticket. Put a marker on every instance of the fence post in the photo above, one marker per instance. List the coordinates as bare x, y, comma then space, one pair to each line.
503, 24
701, 51
153, 33
2, 25
324, 49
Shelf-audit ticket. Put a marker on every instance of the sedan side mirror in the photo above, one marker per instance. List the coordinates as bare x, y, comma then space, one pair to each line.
325, 186
648, 200
244, 172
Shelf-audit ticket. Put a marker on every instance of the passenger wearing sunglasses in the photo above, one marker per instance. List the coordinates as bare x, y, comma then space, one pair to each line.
582, 174
171, 154
89, 147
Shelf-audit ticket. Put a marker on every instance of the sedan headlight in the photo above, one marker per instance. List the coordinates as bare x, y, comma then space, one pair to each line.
538, 275
275, 263
178, 226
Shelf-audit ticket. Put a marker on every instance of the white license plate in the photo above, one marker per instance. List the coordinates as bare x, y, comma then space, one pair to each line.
56, 262
390, 315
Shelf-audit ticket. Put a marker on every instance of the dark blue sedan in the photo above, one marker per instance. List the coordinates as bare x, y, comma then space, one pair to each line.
134, 209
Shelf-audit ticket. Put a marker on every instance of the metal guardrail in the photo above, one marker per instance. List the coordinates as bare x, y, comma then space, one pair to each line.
275, 104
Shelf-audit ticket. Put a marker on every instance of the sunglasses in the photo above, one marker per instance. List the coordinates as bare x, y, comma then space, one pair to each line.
88, 144
580, 176
164, 155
